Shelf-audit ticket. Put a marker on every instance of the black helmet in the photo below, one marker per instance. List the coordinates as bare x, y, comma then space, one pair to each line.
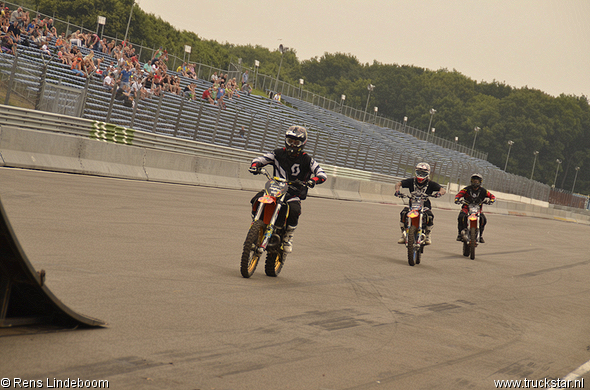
295, 140
476, 180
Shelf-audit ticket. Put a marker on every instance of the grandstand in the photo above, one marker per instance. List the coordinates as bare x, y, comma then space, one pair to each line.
333, 137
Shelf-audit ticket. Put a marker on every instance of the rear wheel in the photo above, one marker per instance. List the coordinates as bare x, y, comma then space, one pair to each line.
472, 242
274, 263
413, 252
250, 255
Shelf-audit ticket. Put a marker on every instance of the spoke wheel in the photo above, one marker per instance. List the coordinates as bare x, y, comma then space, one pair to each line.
250, 255
274, 262
413, 252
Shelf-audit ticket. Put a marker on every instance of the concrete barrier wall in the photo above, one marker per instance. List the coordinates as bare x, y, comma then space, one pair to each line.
21, 148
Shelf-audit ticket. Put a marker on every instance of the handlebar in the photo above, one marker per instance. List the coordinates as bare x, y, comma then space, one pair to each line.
275, 178
463, 201
416, 196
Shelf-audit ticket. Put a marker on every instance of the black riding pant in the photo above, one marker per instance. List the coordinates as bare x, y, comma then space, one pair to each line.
428, 217
462, 222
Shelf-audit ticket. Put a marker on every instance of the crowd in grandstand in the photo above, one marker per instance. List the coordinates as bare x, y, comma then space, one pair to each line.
126, 75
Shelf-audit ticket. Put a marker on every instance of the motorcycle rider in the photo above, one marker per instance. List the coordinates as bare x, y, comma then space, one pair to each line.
421, 182
291, 163
473, 193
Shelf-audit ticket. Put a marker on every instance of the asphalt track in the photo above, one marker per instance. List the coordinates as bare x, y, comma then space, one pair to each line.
160, 264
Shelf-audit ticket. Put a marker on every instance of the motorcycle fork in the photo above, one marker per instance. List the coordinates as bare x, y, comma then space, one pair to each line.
415, 221
270, 227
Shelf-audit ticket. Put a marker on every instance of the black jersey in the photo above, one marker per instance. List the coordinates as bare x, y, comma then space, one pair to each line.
302, 168
428, 189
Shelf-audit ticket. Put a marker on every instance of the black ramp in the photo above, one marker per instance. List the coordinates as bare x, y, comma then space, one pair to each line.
24, 299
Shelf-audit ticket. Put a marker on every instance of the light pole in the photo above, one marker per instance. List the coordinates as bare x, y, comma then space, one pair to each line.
370, 87
300, 87
257, 65
342, 99
432, 112
456, 143
129, 22
575, 177
558, 161
510, 143
405, 123
476, 129
536, 152
282, 50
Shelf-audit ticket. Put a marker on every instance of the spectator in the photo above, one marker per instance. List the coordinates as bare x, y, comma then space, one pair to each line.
189, 91
244, 78
214, 77
18, 16
247, 88
277, 97
207, 95
109, 82
45, 48
7, 44
220, 95
125, 75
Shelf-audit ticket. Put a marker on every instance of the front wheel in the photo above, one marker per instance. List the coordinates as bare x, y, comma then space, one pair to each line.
472, 242
274, 262
413, 252
250, 255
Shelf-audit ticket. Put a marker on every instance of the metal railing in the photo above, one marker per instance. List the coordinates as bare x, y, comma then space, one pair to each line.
257, 124
267, 83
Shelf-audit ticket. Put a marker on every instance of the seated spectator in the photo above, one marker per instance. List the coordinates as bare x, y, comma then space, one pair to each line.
247, 88
214, 77
7, 44
75, 39
108, 82
189, 91
207, 95
77, 65
220, 95
277, 97
45, 48
125, 75
175, 85
18, 16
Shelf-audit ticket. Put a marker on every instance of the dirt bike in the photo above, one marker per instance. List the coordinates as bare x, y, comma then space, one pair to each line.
414, 233
471, 233
267, 230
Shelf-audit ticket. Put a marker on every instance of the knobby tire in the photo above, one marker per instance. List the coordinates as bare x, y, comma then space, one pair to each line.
413, 253
250, 256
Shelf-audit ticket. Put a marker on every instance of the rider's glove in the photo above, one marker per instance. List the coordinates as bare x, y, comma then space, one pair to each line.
254, 169
491, 201
310, 183
398, 193
437, 195
457, 200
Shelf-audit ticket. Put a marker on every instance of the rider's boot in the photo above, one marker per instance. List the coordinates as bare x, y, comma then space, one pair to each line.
288, 239
427, 231
402, 240
459, 236
481, 240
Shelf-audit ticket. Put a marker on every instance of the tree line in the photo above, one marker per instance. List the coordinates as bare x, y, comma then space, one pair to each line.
555, 127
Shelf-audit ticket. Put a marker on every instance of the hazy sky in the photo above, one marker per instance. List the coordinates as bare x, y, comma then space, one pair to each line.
542, 44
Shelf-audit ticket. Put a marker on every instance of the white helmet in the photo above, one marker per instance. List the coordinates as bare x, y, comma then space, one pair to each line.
476, 180
422, 172
295, 140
